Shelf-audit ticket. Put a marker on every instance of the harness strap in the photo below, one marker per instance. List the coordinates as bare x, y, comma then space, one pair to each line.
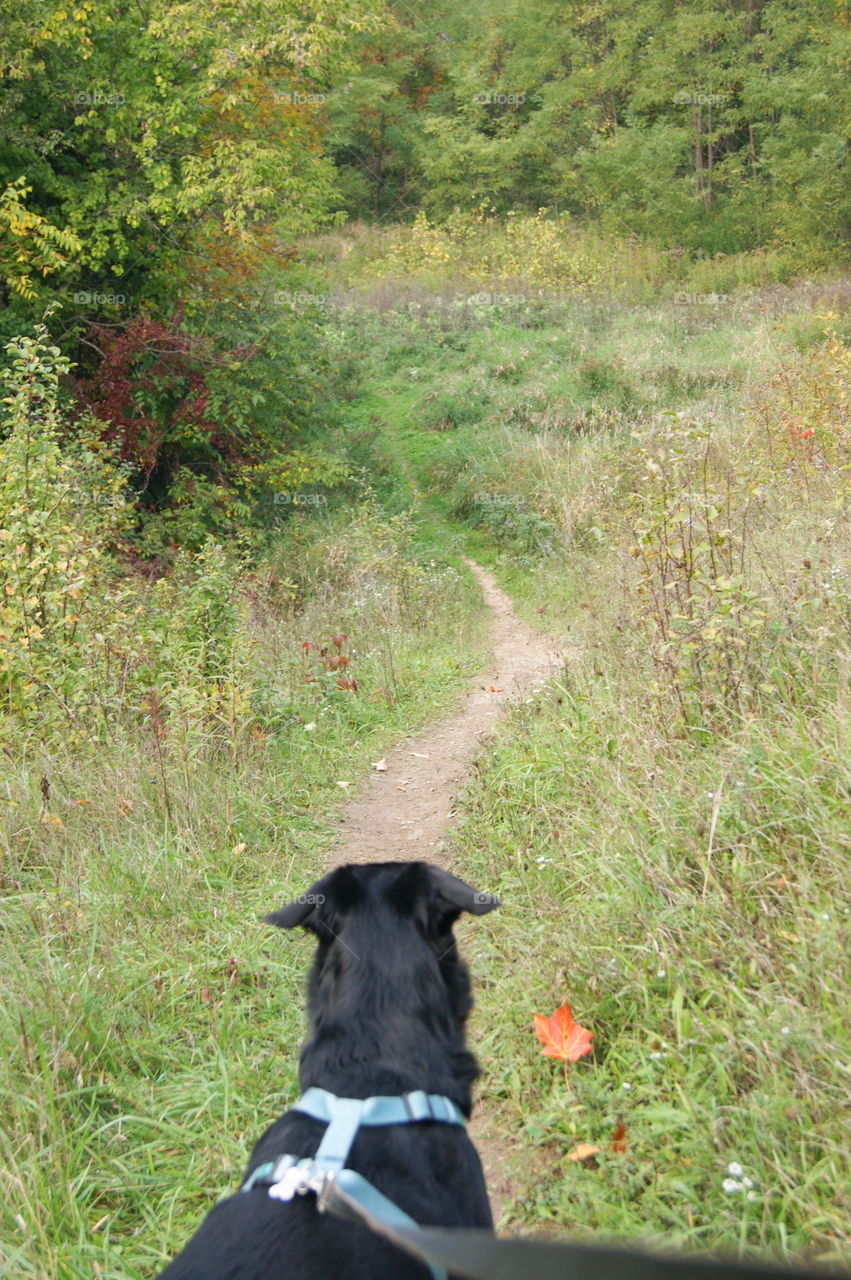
414, 1106
288, 1176
337, 1139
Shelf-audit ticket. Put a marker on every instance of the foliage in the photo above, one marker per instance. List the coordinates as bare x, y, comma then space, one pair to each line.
714, 128
177, 125
219, 433
61, 505
29, 243
729, 630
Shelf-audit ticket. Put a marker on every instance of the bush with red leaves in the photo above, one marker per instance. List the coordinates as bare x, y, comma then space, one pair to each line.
152, 391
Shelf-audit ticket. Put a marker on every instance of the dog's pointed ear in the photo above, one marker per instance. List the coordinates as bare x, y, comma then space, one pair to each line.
460, 895
324, 901
303, 910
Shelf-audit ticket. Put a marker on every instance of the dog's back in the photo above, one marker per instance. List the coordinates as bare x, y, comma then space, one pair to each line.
388, 998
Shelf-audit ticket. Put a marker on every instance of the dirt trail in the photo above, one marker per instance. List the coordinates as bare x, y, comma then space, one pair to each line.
406, 811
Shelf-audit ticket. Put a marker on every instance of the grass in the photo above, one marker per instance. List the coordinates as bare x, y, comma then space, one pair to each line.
679, 876
692, 907
150, 1027
671, 849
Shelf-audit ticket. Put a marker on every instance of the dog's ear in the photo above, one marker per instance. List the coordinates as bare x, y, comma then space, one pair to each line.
459, 895
304, 907
333, 893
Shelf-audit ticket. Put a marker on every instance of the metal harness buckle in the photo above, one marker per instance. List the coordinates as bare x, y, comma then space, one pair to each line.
298, 1177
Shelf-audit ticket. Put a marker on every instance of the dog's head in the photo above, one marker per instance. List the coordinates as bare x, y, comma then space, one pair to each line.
428, 895
386, 950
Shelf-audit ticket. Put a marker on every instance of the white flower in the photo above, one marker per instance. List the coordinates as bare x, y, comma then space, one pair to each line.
784, 1031
626, 1087
730, 1185
660, 973
308, 728
752, 1195
747, 1182
735, 1169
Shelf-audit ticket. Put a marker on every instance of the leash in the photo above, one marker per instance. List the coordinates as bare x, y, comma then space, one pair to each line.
288, 1176
480, 1255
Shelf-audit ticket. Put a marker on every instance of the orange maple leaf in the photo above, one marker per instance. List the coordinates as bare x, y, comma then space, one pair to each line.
561, 1036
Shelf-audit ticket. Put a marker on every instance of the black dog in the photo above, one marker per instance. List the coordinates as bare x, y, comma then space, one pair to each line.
388, 998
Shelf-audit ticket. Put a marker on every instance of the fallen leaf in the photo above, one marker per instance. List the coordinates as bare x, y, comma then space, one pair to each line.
584, 1152
52, 820
493, 688
619, 1143
380, 766
561, 1036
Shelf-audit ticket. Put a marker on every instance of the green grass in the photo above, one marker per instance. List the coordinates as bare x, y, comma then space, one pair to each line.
684, 886
712, 970
150, 1025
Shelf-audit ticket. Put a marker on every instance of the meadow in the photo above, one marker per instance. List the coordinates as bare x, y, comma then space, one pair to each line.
660, 481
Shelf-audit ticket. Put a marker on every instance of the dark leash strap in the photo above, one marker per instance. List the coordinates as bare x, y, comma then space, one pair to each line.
480, 1255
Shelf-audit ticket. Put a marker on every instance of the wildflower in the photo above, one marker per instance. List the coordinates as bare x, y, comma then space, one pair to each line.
738, 1181
308, 728
626, 1087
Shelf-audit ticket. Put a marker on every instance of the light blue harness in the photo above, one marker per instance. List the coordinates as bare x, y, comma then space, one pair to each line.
288, 1176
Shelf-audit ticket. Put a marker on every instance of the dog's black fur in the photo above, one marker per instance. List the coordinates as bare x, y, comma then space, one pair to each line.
388, 997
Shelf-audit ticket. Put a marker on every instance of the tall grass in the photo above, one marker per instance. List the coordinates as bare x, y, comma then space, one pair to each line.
150, 1026
665, 490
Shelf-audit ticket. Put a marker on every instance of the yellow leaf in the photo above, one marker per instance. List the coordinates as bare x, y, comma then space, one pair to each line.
583, 1152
